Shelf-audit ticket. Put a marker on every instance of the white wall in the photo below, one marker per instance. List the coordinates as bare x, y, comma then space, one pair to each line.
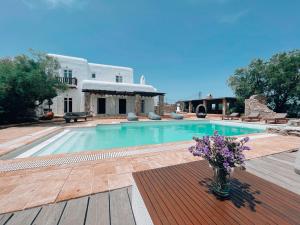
109, 73
83, 70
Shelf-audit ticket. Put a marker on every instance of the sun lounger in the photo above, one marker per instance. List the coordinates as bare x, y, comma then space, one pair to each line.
176, 116
232, 116
153, 116
278, 118
75, 116
254, 116
132, 117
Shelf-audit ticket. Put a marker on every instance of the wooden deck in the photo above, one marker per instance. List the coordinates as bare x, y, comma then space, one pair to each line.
107, 208
278, 169
181, 195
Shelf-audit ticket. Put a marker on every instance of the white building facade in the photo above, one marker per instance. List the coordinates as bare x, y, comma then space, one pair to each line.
102, 90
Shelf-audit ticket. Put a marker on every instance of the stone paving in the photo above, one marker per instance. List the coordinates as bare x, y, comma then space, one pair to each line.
32, 187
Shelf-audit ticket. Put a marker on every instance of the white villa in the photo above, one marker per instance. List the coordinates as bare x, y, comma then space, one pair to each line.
102, 89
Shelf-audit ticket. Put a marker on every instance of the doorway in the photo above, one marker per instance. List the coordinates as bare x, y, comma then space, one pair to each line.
122, 106
101, 109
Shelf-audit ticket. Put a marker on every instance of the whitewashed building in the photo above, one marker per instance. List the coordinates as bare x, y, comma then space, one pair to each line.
102, 90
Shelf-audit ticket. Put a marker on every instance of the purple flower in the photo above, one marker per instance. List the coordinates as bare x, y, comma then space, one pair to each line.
223, 151
245, 139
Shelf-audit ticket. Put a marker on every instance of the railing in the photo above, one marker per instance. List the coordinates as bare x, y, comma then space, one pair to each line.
68, 80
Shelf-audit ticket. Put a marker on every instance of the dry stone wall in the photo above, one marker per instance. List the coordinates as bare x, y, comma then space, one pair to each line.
257, 103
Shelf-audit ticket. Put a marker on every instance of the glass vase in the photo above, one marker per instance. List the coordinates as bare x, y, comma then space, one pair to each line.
221, 182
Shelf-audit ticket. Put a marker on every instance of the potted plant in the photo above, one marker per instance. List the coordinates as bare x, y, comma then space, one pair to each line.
223, 154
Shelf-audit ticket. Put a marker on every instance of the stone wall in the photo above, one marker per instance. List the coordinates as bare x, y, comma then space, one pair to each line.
257, 103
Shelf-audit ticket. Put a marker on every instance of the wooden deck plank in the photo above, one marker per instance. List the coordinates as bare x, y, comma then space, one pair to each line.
98, 210
25, 217
266, 201
148, 202
282, 170
163, 215
120, 208
166, 198
273, 175
74, 213
283, 162
5, 217
253, 199
50, 214
194, 194
129, 191
239, 205
196, 202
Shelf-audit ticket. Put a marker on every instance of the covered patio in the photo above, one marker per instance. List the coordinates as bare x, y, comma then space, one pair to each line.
120, 98
212, 105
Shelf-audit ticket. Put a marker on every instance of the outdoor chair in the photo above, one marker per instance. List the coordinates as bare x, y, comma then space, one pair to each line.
132, 117
232, 116
153, 116
277, 118
254, 116
176, 116
75, 116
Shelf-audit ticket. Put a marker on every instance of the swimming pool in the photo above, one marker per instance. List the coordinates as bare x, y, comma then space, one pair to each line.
135, 134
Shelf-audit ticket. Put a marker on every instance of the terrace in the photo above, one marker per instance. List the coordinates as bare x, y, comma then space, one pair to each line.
168, 202
67, 184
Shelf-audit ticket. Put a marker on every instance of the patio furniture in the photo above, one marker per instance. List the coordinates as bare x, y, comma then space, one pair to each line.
132, 117
153, 116
277, 118
75, 116
297, 163
232, 116
294, 123
254, 116
181, 194
176, 116
201, 111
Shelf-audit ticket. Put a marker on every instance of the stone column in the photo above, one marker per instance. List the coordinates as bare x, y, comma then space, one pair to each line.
87, 101
224, 109
161, 105
137, 107
205, 104
190, 107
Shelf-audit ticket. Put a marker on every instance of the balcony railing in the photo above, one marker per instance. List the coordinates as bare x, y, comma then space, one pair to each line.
68, 80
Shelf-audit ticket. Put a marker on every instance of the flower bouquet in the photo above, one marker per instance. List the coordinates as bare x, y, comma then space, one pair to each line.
223, 153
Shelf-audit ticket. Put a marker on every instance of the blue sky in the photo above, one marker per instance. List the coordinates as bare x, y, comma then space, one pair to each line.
182, 47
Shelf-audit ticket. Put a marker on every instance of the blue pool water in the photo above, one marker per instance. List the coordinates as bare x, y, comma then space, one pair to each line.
137, 134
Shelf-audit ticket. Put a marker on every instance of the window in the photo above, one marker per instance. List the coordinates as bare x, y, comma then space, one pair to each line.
68, 76
93, 75
143, 106
220, 106
119, 79
67, 105
68, 73
213, 106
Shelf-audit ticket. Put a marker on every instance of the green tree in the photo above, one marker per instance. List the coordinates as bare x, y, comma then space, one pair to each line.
277, 78
26, 81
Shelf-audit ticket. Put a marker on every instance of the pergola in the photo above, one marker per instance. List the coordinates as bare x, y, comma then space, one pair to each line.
212, 105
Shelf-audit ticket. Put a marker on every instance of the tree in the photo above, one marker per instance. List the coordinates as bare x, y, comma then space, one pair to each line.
277, 78
25, 83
